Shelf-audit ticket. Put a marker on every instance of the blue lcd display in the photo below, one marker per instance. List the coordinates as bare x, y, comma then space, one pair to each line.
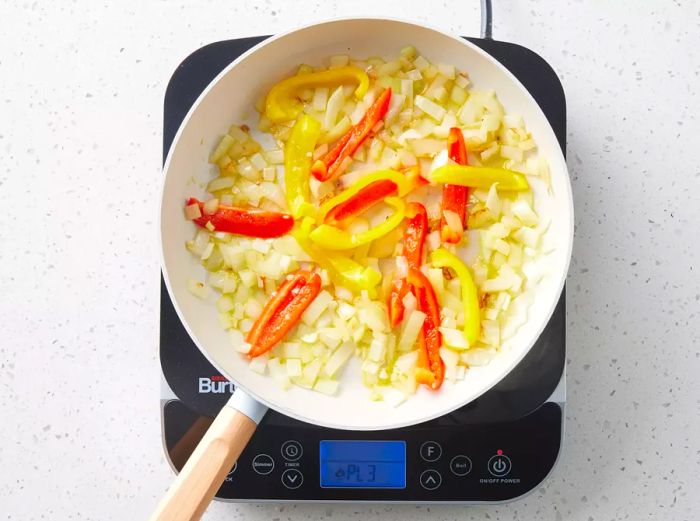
363, 464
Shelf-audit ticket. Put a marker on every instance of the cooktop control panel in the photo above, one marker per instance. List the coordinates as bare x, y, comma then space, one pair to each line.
460, 463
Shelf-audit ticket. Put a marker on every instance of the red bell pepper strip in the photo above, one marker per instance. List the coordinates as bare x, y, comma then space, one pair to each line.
413, 240
364, 199
430, 369
454, 197
252, 223
283, 311
414, 237
369, 190
329, 165
398, 291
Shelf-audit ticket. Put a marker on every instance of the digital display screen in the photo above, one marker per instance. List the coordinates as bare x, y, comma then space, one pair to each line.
363, 464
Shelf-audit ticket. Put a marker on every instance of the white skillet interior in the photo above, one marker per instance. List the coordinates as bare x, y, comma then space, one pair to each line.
230, 98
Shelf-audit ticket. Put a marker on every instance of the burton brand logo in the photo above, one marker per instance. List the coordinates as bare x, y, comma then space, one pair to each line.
215, 384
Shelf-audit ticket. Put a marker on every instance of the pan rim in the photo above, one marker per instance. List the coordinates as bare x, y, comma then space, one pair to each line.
293, 413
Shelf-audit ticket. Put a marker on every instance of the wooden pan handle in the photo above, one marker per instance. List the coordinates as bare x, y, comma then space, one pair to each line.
211, 461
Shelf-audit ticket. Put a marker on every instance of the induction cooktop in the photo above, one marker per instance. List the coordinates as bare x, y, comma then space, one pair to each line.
497, 448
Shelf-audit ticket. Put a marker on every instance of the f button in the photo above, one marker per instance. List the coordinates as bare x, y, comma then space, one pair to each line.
430, 451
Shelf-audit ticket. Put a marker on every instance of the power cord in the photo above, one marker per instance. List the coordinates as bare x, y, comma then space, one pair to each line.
486, 19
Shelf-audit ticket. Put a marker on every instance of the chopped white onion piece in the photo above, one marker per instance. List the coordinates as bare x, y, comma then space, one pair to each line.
477, 357
318, 306
450, 359
410, 302
329, 387
401, 267
411, 329
335, 102
374, 316
259, 364
279, 373
192, 212
274, 156
433, 239
293, 367
241, 347
454, 338
431, 108
338, 359
318, 102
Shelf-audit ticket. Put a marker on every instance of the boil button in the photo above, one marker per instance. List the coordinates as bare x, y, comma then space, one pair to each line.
461, 465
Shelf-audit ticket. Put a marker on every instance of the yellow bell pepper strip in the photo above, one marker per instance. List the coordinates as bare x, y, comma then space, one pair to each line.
332, 238
365, 193
441, 258
297, 165
353, 274
282, 103
480, 177
342, 270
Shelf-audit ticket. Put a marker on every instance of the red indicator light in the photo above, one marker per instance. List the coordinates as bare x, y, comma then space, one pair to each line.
499, 452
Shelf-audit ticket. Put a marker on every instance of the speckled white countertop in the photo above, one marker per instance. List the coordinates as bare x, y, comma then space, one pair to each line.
81, 94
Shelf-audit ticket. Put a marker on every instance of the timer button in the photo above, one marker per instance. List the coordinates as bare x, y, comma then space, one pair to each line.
499, 465
430, 479
461, 465
292, 478
430, 451
263, 464
291, 450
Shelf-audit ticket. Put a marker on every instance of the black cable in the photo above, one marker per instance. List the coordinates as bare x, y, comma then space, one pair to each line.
486, 19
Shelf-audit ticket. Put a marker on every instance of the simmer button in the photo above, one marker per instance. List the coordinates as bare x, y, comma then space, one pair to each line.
263, 464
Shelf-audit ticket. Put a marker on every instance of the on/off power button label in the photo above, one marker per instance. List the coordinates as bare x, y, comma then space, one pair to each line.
499, 465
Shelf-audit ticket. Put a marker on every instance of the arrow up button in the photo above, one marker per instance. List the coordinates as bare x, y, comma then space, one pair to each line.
430, 479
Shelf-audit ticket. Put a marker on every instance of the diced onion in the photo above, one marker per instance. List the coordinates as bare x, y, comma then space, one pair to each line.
426, 147
401, 267
192, 211
431, 108
339, 357
335, 102
477, 357
318, 306
454, 338
411, 329
320, 98
329, 387
220, 183
454, 222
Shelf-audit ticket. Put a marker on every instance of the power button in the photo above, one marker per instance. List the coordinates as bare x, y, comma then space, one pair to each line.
499, 465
